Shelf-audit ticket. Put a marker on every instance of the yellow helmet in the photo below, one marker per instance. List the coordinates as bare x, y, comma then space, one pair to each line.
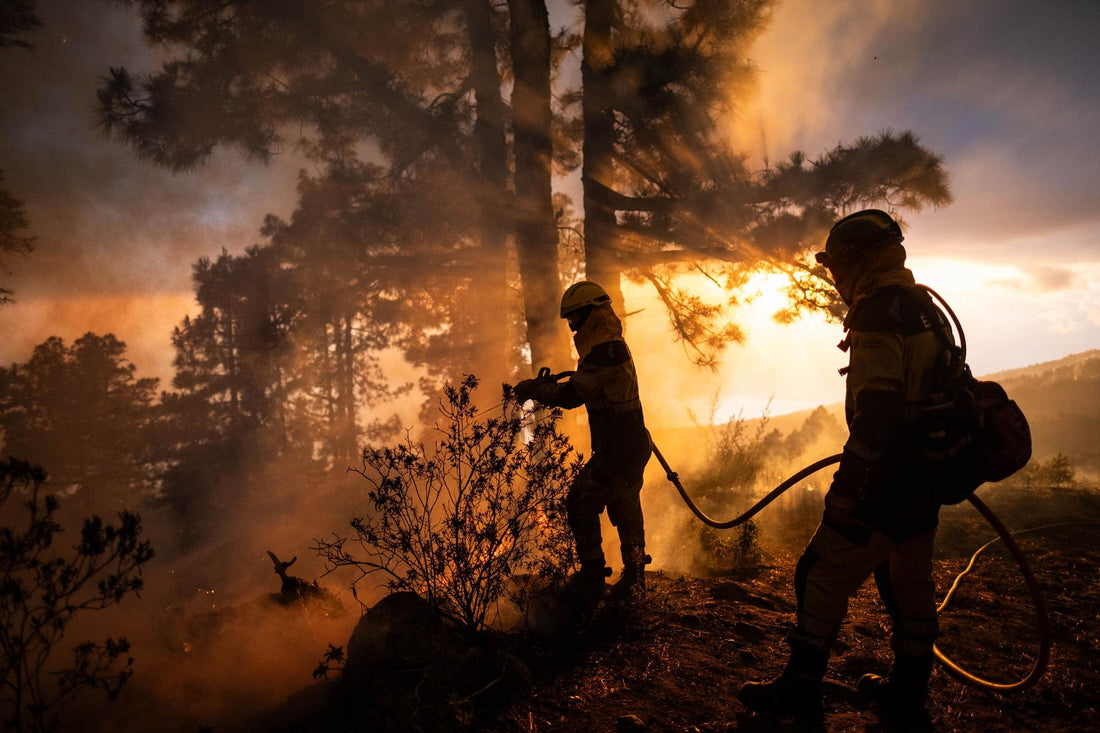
579, 295
859, 233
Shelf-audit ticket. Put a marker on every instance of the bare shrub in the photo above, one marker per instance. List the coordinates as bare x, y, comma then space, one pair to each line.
735, 457
456, 521
41, 592
1057, 472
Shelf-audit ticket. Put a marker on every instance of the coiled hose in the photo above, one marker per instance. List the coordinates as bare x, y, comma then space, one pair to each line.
1038, 667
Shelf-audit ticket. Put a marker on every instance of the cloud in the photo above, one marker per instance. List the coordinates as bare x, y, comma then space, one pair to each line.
106, 222
1004, 89
1048, 279
1040, 279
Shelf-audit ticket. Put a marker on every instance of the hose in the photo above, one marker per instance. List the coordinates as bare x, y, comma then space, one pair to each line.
1003, 535
772, 495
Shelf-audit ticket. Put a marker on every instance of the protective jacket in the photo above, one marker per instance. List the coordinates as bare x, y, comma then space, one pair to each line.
607, 385
897, 360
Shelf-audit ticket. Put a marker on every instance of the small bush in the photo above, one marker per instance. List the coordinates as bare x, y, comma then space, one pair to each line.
1057, 472
40, 594
456, 521
734, 460
731, 549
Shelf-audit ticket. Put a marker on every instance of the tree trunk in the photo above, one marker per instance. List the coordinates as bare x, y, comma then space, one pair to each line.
491, 145
536, 233
349, 433
602, 263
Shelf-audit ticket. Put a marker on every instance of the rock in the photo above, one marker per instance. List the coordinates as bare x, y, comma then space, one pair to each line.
408, 669
402, 630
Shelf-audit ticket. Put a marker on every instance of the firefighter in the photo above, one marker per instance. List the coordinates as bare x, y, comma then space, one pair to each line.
880, 518
605, 382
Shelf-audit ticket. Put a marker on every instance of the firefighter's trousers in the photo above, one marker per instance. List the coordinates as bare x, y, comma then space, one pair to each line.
833, 567
615, 486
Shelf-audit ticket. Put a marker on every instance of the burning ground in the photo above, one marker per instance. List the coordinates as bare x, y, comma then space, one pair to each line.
674, 664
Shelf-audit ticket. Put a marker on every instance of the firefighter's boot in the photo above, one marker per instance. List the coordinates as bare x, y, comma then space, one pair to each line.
796, 692
901, 696
585, 588
630, 587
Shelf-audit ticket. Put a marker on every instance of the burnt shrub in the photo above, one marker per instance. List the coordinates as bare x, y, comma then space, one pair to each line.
458, 521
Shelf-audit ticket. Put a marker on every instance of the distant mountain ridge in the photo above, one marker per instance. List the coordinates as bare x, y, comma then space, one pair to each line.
1061, 399
1066, 362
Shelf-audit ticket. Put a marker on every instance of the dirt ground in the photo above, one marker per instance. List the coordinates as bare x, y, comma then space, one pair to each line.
676, 664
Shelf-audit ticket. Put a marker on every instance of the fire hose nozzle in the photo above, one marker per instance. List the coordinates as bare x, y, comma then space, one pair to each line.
545, 373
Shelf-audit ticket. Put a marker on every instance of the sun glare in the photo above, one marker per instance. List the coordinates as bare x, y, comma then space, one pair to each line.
960, 276
776, 369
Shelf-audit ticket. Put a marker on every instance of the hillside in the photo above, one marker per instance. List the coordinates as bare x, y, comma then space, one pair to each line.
1061, 399
1062, 402
1071, 362
676, 663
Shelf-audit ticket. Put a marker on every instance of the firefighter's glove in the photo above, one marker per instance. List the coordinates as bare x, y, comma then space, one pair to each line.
528, 389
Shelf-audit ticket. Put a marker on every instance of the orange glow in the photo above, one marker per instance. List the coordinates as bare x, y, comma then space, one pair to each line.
143, 321
778, 368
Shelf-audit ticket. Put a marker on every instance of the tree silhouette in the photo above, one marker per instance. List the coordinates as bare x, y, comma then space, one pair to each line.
42, 591
235, 353
665, 190
279, 365
17, 19
13, 238
404, 102
82, 410
416, 84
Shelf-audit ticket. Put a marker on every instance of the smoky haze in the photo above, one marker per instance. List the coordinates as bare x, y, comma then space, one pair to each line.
373, 284
115, 237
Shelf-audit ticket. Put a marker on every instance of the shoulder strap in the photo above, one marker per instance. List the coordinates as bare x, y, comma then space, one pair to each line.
955, 368
954, 320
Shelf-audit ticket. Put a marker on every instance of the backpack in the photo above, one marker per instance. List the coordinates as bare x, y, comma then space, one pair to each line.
971, 432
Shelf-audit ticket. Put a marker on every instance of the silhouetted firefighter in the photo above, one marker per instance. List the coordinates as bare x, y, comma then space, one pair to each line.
607, 385
880, 517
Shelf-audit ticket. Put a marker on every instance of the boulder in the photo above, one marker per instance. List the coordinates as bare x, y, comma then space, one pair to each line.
408, 668
400, 632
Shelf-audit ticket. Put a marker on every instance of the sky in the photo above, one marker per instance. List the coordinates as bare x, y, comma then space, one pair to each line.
1004, 90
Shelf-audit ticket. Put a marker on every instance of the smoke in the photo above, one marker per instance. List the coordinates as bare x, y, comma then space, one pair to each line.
768, 451
210, 647
145, 322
